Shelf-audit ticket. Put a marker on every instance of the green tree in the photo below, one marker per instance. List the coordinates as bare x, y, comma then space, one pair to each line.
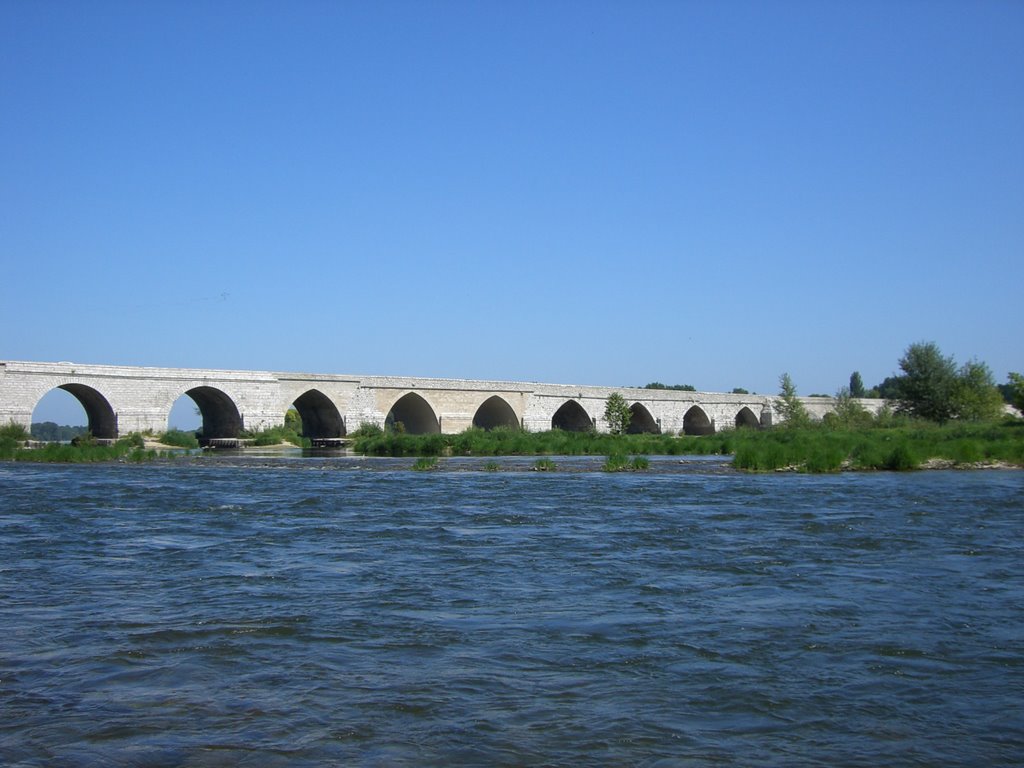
975, 395
617, 413
856, 385
889, 389
847, 411
788, 404
677, 387
928, 384
740, 391
1017, 382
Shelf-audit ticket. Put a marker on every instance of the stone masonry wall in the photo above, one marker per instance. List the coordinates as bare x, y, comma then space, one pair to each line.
141, 397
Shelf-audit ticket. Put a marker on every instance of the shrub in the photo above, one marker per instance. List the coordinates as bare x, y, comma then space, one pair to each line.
14, 432
179, 439
617, 462
901, 458
788, 404
966, 451
134, 440
425, 463
617, 413
8, 447
366, 429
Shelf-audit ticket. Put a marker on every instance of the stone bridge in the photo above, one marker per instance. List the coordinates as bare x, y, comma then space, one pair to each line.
123, 399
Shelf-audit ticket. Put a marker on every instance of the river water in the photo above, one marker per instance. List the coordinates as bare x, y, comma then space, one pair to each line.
304, 611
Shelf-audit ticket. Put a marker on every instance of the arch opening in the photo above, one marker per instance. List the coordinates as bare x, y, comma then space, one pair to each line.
319, 416
495, 412
415, 416
100, 419
746, 418
641, 422
571, 417
696, 422
220, 416
185, 415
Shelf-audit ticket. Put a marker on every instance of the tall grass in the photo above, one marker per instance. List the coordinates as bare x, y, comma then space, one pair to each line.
512, 442
278, 435
11, 437
179, 439
620, 463
87, 451
815, 448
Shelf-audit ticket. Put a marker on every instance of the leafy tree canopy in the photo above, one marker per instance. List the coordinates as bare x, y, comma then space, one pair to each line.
975, 395
678, 387
788, 404
52, 432
848, 413
856, 385
926, 388
933, 388
1017, 397
889, 389
617, 413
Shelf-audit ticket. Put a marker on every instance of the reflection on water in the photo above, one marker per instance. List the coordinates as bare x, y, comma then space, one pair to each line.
290, 610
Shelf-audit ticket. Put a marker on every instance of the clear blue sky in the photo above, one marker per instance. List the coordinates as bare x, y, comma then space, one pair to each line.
708, 193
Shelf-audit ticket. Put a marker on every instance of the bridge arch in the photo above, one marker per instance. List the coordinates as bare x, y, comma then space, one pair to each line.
696, 422
641, 421
320, 416
415, 415
495, 412
221, 418
101, 416
572, 417
746, 418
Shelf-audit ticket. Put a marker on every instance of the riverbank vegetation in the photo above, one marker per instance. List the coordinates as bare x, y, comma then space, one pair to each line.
82, 449
908, 446
179, 439
514, 442
897, 443
944, 415
277, 436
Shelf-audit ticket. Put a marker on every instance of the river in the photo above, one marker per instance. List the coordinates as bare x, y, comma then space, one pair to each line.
316, 611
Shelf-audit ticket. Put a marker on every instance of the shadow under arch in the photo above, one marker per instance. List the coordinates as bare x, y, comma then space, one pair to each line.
696, 422
221, 418
746, 418
495, 412
641, 421
101, 416
320, 416
571, 417
415, 415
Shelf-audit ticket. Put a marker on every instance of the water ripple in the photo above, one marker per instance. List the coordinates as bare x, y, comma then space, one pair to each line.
308, 612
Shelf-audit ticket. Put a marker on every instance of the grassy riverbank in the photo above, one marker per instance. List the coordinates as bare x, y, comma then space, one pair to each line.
809, 449
508, 442
84, 450
815, 448
915, 446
